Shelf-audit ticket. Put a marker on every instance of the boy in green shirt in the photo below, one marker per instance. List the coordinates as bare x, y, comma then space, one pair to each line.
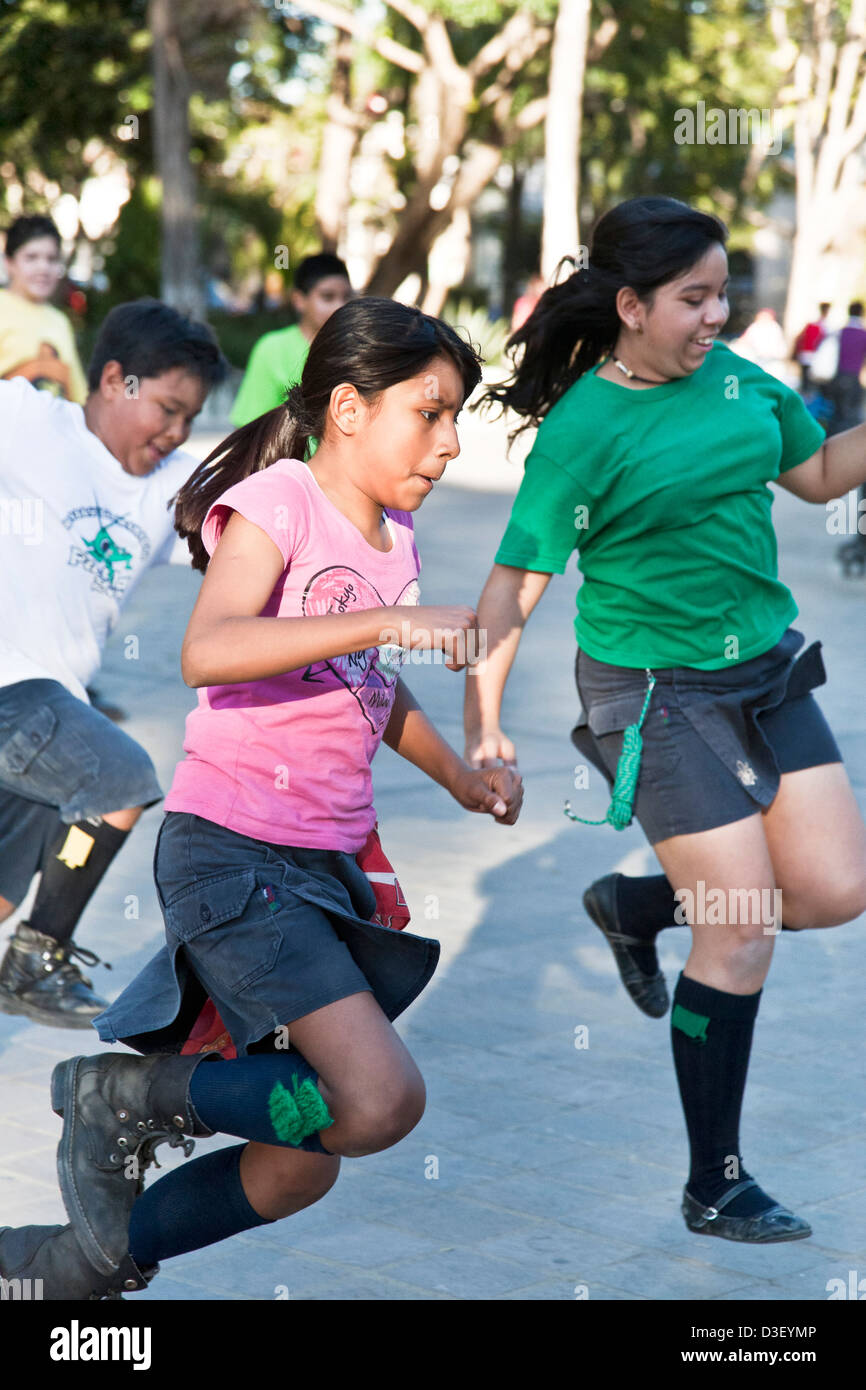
277, 360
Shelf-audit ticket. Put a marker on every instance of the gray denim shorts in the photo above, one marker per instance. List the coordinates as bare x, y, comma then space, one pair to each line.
269, 932
715, 743
60, 760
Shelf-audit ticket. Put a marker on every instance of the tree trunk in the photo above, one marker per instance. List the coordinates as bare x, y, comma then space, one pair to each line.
411, 246
512, 269
559, 236
338, 147
829, 135
448, 261
182, 277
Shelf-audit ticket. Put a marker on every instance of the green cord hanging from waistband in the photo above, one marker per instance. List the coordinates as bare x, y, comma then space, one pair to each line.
619, 812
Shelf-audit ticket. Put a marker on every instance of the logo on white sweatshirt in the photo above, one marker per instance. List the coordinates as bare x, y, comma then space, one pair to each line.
111, 548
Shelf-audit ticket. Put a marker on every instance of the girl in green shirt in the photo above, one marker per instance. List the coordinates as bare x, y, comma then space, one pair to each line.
655, 448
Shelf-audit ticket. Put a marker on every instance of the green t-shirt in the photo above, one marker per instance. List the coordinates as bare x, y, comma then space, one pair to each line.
665, 493
276, 363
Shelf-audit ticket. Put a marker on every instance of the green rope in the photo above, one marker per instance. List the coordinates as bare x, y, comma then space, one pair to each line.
619, 812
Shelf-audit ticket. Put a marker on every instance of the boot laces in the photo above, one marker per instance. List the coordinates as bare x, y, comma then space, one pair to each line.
145, 1149
89, 958
64, 964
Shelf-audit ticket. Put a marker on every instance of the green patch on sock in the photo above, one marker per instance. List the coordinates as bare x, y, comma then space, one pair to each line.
693, 1025
299, 1112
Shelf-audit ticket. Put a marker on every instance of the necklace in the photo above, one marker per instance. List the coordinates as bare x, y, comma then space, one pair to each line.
633, 376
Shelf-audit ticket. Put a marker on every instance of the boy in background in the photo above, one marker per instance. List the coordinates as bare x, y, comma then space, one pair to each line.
277, 360
84, 496
36, 339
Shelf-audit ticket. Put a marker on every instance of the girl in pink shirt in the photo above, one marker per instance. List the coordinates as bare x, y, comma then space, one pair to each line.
295, 644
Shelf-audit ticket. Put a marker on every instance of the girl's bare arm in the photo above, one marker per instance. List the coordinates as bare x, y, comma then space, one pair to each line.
508, 598
411, 734
227, 642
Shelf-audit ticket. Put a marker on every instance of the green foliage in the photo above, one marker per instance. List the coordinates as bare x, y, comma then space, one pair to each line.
470, 14
65, 72
72, 70
666, 57
488, 336
239, 333
132, 260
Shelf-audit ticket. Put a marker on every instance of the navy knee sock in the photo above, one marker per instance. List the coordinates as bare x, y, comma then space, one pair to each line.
711, 1035
270, 1097
645, 905
195, 1205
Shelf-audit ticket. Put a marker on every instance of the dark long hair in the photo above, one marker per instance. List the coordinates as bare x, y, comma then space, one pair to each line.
370, 343
642, 243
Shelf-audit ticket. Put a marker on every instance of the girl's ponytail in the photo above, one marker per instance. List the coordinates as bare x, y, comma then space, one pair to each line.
642, 243
573, 324
274, 435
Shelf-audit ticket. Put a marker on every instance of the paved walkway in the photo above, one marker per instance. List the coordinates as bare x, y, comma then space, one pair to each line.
541, 1170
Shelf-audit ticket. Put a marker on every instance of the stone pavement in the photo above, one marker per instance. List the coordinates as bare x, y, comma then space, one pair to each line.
542, 1169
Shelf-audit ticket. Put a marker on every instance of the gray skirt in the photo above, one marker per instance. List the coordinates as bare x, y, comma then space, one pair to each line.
268, 932
715, 743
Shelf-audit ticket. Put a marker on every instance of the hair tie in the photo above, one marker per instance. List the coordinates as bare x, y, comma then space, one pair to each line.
295, 403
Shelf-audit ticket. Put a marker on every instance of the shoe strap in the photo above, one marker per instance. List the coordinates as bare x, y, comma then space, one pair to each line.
620, 938
710, 1213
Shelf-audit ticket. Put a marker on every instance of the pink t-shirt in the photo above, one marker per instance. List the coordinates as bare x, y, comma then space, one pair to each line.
287, 759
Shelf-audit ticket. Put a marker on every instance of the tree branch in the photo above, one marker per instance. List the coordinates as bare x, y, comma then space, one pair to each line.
602, 39
516, 30
389, 49
417, 17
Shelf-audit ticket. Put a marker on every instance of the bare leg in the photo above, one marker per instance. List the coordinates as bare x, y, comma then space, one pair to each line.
729, 956
123, 820
278, 1181
817, 842
369, 1081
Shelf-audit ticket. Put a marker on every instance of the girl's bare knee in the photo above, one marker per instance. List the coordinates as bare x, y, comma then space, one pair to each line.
739, 956
840, 900
845, 901
369, 1129
280, 1181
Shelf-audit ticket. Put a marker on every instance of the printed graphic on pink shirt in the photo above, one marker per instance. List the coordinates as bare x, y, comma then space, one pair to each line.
370, 675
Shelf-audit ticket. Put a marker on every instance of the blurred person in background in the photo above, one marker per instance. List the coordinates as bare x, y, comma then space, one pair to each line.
83, 498
844, 389
764, 344
36, 339
276, 362
526, 302
807, 342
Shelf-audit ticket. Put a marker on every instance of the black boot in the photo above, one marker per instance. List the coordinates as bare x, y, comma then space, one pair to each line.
116, 1110
46, 1262
38, 978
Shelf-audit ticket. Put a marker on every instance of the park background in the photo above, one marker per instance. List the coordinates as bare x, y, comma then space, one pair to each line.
198, 152
447, 149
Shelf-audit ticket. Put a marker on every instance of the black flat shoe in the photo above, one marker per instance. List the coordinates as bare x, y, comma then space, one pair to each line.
767, 1228
649, 992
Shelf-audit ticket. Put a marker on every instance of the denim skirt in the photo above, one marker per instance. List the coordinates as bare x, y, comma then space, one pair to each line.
269, 932
715, 743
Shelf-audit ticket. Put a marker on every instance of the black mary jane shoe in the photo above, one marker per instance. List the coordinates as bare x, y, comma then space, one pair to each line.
767, 1228
649, 992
